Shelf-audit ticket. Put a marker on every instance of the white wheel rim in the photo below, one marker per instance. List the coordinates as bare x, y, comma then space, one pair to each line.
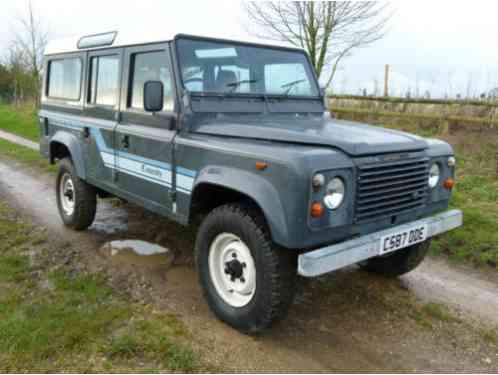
232, 269
67, 194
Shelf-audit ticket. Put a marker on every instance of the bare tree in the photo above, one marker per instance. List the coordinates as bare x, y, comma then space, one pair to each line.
30, 39
328, 30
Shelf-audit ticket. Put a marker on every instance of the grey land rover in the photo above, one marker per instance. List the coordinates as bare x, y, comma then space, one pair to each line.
237, 135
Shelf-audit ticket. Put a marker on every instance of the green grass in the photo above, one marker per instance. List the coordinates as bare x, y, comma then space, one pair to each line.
22, 121
62, 321
25, 155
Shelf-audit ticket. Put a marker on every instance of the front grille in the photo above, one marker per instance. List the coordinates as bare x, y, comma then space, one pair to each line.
390, 188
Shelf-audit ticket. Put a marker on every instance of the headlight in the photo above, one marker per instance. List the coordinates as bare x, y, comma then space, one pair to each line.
451, 161
334, 194
434, 175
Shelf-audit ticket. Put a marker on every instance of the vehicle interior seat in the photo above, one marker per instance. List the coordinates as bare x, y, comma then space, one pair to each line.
225, 77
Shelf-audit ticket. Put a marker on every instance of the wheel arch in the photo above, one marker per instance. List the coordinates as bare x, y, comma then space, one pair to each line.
229, 185
64, 144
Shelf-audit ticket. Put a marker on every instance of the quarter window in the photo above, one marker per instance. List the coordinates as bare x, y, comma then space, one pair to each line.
64, 79
104, 81
150, 66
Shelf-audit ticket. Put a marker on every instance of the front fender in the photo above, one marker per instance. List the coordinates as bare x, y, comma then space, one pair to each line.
255, 187
73, 144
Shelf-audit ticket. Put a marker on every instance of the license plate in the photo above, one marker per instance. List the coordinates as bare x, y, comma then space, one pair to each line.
404, 238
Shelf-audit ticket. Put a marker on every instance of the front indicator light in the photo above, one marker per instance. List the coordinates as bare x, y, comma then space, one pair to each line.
317, 210
449, 183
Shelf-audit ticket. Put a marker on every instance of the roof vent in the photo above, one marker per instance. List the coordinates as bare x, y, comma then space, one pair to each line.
97, 40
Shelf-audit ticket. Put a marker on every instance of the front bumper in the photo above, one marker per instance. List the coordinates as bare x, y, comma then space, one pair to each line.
334, 257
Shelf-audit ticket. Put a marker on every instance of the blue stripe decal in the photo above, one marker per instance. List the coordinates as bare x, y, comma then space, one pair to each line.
160, 172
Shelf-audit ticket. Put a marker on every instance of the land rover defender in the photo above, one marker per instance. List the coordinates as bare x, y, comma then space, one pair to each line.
237, 134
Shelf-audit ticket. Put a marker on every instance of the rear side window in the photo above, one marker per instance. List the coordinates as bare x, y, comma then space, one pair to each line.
64, 79
150, 66
104, 80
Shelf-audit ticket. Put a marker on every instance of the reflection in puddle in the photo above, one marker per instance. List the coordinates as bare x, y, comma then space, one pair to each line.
141, 253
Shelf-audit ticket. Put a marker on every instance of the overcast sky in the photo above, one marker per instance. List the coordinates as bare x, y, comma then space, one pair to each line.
444, 47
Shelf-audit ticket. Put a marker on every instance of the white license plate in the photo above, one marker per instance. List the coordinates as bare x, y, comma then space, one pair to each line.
404, 238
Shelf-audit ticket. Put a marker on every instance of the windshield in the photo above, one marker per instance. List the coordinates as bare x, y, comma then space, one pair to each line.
221, 67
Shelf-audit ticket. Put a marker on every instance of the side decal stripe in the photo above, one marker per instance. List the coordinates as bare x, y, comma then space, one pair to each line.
138, 166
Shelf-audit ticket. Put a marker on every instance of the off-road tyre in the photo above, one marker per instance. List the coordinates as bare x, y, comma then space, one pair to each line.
399, 262
275, 268
85, 198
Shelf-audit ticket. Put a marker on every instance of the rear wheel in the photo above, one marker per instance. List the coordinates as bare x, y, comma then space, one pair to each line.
399, 262
76, 200
247, 280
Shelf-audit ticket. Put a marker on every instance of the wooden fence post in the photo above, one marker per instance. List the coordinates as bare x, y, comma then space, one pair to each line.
386, 81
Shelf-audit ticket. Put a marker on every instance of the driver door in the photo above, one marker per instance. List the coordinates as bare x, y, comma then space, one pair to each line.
144, 141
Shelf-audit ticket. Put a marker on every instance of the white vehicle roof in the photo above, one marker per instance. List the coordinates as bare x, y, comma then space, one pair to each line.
121, 39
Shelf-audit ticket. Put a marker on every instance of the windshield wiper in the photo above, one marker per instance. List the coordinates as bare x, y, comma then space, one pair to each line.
235, 85
291, 85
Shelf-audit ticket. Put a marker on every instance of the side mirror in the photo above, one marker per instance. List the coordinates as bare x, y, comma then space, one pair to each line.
153, 96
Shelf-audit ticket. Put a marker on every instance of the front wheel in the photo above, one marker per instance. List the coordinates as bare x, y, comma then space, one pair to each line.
399, 262
246, 279
76, 200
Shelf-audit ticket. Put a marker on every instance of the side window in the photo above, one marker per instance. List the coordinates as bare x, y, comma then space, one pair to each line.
150, 66
104, 80
64, 79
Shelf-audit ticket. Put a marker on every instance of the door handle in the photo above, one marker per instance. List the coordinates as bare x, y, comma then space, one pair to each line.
125, 141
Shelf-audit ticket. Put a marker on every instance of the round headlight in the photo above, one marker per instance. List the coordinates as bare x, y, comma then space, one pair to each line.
451, 161
334, 194
434, 175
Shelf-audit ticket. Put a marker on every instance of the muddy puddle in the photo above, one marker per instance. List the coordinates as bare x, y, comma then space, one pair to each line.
138, 253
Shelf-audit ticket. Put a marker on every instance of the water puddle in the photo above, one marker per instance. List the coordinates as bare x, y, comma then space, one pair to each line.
138, 253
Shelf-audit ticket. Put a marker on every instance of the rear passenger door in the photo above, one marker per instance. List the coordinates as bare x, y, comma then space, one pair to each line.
144, 141
102, 96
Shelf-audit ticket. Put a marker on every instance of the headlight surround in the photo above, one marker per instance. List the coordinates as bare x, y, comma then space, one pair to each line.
434, 175
334, 193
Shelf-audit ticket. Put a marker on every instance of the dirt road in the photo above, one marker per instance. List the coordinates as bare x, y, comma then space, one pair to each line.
347, 321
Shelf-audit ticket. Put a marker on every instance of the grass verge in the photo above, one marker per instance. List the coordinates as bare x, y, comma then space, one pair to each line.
22, 121
26, 156
56, 319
